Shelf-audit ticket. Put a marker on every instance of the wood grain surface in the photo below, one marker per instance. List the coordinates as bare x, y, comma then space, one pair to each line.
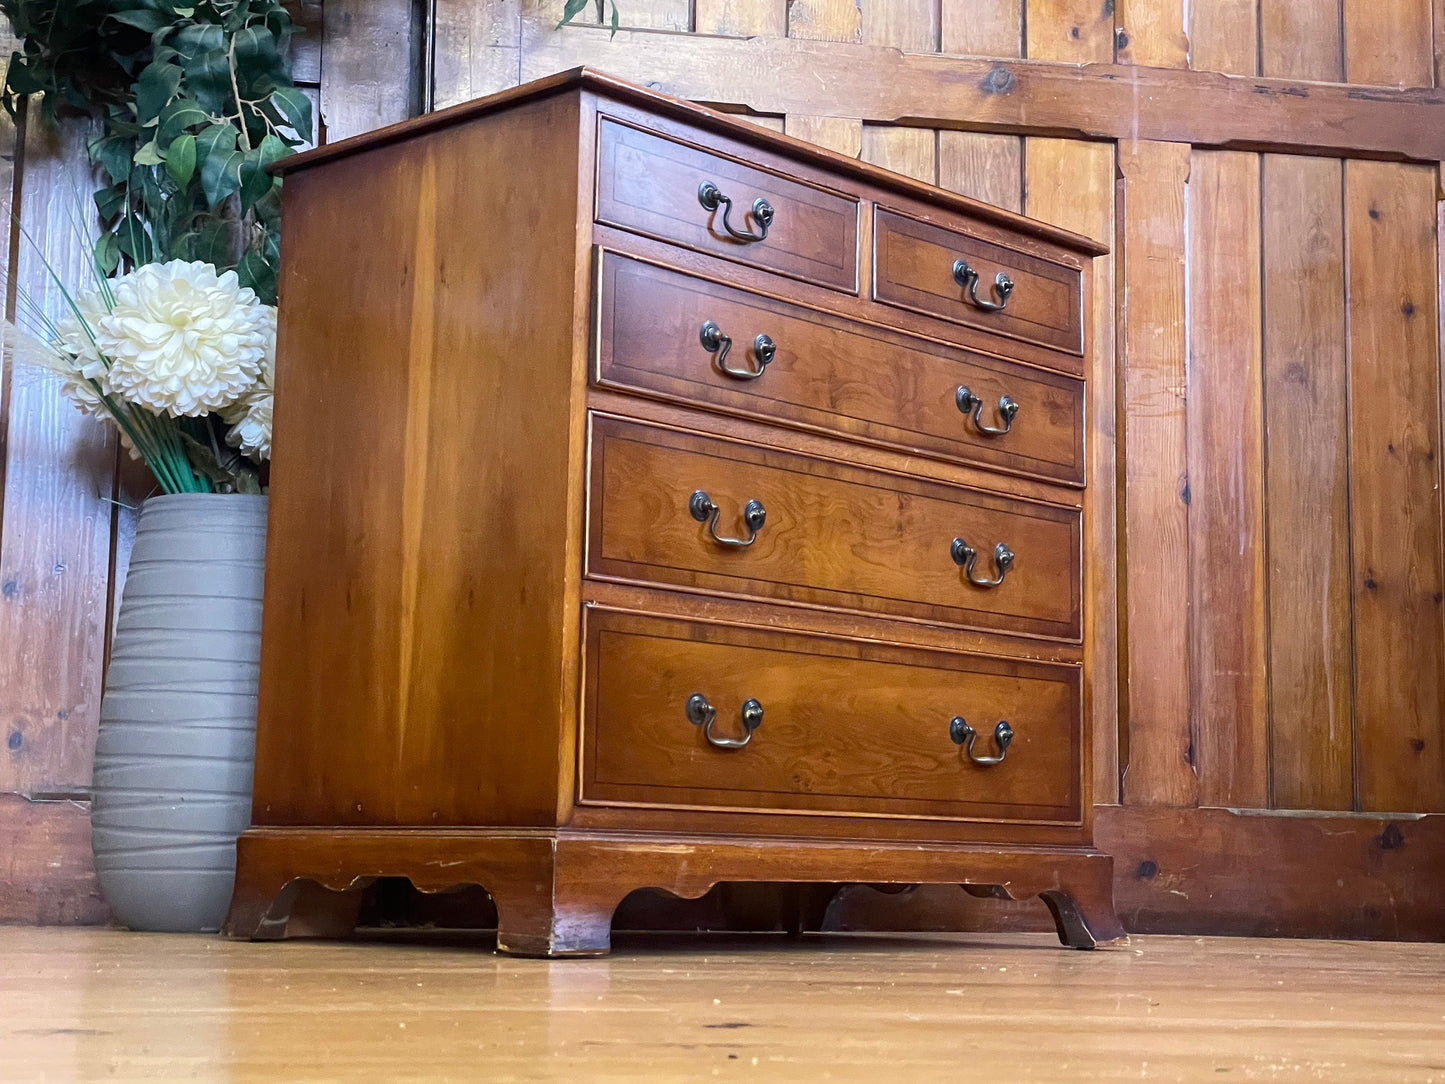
843, 729
830, 373
99, 1003
835, 536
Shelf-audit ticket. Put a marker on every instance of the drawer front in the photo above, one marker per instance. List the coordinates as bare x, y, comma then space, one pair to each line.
914, 268
840, 727
671, 507
651, 185
827, 372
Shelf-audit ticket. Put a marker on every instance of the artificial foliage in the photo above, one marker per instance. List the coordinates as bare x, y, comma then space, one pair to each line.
192, 100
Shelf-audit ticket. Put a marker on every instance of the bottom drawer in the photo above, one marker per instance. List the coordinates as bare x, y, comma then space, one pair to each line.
690, 714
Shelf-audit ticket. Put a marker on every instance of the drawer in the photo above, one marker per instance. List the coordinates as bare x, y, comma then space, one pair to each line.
914, 268
830, 373
653, 185
672, 507
831, 726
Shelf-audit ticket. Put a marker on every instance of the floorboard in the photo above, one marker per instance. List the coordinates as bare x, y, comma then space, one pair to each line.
79, 1004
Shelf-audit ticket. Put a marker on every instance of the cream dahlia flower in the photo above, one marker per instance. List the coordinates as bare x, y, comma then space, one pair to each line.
181, 339
250, 416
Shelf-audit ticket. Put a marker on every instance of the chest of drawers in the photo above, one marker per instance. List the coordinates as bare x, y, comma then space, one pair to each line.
657, 502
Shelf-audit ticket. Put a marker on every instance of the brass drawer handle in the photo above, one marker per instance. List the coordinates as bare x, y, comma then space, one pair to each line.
967, 277
701, 713
964, 735
710, 196
964, 556
969, 403
714, 341
702, 509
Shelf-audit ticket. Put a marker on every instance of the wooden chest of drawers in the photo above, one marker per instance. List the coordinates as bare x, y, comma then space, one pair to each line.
658, 501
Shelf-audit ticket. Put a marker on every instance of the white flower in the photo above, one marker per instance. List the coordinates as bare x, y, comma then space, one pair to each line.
183, 340
250, 416
74, 332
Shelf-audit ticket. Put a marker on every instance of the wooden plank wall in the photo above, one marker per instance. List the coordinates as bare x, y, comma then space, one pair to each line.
1269, 654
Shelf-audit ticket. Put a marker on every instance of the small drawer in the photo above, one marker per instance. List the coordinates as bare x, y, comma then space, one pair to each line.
724, 517
697, 341
688, 196
688, 714
958, 277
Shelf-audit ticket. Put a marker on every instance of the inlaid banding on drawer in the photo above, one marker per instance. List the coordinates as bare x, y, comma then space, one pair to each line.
835, 726
701, 513
651, 185
822, 371
954, 275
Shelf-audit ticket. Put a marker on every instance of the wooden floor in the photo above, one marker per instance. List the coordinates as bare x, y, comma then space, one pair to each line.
97, 1004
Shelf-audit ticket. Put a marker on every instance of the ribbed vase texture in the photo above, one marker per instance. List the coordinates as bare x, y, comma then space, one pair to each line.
177, 740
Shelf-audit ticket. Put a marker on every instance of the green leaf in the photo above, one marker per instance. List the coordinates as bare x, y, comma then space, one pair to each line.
148, 155
218, 161
297, 109
134, 241
143, 19
255, 181
111, 201
113, 154
571, 11
156, 86
208, 79
177, 117
107, 253
260, 276
181, 159
209, 243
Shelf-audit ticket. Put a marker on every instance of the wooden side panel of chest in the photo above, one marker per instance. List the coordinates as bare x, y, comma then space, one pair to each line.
439, 700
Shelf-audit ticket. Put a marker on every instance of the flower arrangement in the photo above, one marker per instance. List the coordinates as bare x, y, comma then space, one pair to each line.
180, 358
189, 102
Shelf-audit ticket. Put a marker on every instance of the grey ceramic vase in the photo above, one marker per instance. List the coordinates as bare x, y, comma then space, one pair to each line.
177, 740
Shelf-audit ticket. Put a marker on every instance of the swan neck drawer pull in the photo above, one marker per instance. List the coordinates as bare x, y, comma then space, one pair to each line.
701, 507
703, 714
967, 277
711, 197
716, 342
969, 403
964, 735
965, 556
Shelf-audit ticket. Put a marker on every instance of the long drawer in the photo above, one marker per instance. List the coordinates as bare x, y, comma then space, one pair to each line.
952, 274
669, 333
714, 203
684, 713
684, 509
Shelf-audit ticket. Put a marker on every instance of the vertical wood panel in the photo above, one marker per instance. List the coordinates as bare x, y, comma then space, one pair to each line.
981, 27
910, 151
1160, 754
1394, 375
1389, 44
1226, 480
1071, 184
1152, 33
911, 25
836, 133
741, 18
635, 14
985, 167
1081, 31
1300, 39
1306, 483
1223, 36
476, 49
366, 65
55, 536
825, 20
